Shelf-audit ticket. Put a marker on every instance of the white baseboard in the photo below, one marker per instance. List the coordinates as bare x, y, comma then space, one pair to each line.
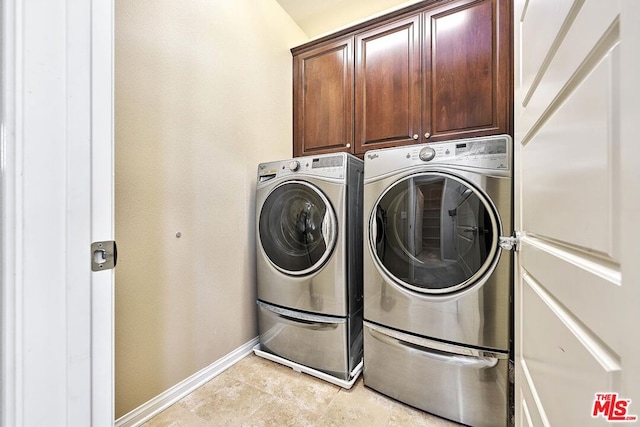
167, 398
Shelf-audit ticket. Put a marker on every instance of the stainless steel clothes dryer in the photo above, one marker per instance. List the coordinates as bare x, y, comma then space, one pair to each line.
309, 261
437, 284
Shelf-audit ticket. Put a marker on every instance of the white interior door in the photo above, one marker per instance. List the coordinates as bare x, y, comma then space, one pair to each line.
56, 145
577, 195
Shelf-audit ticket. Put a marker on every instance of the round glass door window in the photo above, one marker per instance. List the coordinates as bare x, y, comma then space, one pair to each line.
434, 233
297, 228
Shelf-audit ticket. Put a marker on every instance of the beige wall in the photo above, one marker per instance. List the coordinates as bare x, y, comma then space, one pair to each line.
203, 94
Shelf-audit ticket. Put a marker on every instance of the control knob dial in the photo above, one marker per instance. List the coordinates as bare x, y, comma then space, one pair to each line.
426, 154
294, 165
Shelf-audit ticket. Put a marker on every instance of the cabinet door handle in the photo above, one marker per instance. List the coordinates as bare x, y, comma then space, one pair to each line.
416, 136
348, 145
427, 135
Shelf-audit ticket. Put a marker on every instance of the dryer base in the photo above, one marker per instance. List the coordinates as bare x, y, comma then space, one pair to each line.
467, 389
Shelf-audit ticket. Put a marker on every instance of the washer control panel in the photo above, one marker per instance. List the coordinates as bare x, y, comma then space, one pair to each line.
328, 166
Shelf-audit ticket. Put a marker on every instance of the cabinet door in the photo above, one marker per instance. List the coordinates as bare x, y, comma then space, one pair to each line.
323, 99
467, 76
387, 81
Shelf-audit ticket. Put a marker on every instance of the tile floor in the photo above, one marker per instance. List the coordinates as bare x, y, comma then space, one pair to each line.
259, 392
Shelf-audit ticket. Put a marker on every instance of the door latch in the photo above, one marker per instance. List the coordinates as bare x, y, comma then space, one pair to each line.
104, 255
510, 243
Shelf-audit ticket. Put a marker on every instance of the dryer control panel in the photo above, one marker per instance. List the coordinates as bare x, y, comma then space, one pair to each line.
486, 153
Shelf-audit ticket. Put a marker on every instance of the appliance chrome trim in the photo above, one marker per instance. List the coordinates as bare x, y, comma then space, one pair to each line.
331, 226
479, 277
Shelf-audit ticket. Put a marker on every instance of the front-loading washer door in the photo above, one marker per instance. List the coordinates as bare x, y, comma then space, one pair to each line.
297, 228
434, 233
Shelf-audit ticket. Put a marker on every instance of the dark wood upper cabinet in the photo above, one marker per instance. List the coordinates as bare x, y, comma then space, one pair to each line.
434, 71
323, 99
467, 77
387, 81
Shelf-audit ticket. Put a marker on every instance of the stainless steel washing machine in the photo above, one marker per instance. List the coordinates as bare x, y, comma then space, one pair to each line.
437, 283
309, 261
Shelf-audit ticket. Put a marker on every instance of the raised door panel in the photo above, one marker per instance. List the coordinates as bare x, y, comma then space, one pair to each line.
323, 99
467, 89
387, 85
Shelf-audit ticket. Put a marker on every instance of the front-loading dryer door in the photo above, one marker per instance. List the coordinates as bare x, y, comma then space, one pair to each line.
297, 228
434, 233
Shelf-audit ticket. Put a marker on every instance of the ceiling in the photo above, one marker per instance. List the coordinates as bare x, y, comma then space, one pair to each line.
319, 17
